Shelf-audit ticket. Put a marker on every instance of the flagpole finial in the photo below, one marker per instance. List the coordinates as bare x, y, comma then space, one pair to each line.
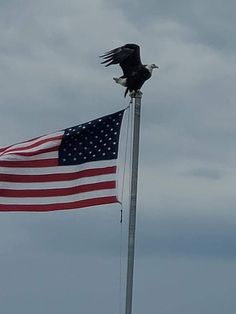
136, 94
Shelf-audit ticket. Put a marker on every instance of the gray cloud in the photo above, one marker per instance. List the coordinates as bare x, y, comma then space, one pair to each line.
211, 23
191, 236
212, 174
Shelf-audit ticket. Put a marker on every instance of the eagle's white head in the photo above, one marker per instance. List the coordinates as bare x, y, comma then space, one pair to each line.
152, 66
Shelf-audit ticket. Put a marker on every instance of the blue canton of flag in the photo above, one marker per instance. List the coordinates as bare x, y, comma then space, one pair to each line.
91, 141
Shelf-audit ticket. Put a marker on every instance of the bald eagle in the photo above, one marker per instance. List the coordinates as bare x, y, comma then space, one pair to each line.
134, 72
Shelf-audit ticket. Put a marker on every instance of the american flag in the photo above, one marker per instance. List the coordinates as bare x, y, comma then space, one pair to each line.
69, 169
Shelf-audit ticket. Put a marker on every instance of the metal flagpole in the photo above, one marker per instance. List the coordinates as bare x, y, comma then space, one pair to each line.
133, 201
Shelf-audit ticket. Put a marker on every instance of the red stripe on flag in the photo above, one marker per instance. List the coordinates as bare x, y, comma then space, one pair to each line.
40, 142
56, 176
29, 163
38, 152
60, 191
60, 206
5, 148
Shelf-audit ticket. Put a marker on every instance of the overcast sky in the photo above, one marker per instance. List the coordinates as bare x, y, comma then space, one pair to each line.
50, 79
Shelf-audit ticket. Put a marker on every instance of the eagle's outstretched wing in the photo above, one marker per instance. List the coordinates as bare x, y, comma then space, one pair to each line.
127, 56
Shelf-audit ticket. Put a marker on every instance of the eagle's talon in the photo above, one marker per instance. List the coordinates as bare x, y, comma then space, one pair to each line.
132, 94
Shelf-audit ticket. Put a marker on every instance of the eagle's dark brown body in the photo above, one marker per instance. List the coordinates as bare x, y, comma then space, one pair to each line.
134, 72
